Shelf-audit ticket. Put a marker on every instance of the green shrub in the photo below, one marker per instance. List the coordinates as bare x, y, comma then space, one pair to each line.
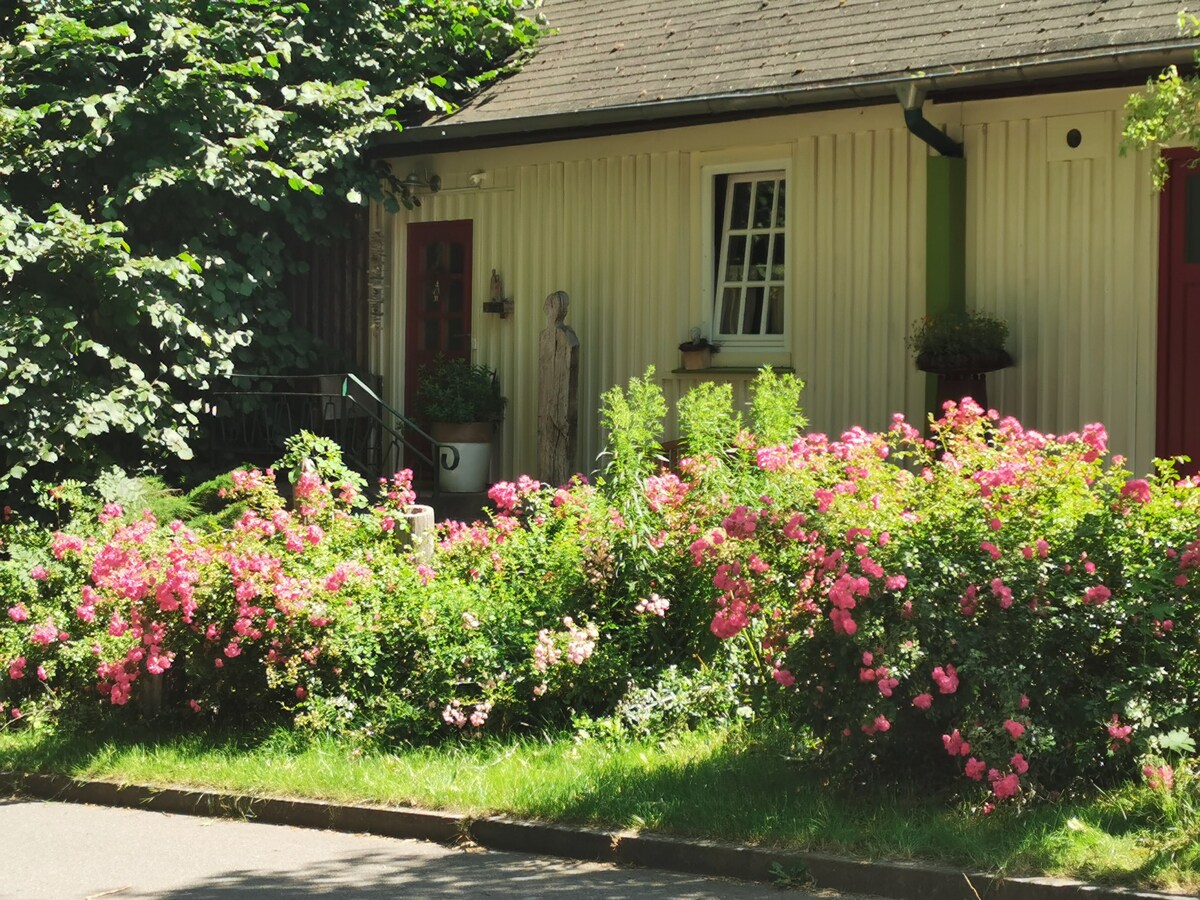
456, 391
993, 606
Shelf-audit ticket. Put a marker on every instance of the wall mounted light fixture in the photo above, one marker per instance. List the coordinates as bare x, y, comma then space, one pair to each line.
427, 182
409, 189
499, 304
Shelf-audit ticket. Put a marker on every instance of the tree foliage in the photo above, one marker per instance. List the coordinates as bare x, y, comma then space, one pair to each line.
157, 158
1167, 111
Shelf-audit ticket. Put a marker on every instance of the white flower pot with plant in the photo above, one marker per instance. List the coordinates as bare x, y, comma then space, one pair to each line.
463, 404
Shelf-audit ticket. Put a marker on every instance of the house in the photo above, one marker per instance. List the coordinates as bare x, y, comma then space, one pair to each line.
802, 179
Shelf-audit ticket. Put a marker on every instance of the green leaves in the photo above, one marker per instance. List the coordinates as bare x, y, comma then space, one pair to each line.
1165, 112
159, 165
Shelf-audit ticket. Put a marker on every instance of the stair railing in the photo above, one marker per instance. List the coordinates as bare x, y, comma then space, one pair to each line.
357, 412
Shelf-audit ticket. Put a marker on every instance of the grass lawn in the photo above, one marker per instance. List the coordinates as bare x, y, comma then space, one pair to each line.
704, 784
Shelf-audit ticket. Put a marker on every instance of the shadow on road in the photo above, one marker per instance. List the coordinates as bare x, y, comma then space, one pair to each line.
468, 874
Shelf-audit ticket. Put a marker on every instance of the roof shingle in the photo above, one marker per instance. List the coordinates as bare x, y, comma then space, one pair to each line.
608, 54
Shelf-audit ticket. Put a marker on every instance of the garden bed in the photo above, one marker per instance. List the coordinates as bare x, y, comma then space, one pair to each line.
994, 617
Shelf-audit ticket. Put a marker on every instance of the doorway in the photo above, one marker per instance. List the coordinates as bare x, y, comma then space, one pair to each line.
1178, 412
438, 299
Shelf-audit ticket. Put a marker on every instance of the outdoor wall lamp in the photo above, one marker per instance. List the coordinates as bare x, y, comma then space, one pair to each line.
499, 304
428, 182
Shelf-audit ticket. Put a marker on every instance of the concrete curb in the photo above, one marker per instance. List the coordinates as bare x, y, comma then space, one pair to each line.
901, 881
444, 828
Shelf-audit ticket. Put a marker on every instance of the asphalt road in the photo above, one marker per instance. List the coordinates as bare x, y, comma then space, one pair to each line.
50, 851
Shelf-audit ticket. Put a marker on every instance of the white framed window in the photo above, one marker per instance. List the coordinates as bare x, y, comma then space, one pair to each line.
750, 296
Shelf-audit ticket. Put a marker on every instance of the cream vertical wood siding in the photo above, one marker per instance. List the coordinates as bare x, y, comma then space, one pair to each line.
1063, 248
1063, 244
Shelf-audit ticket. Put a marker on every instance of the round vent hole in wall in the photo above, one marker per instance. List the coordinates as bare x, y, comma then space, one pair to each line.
1065, 137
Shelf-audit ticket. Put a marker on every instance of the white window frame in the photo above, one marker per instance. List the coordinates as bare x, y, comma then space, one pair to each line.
713, 255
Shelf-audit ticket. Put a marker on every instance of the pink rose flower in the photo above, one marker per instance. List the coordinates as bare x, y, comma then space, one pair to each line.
1137, 490
946, 679
1005, 787
1015, 729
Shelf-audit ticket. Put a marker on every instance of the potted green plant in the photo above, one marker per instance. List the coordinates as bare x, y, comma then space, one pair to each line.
960, 348
698, 351
463, 404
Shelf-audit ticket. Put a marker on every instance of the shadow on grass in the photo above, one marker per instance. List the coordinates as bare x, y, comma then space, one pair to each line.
755, 794
79, 751
733, 790
760, 796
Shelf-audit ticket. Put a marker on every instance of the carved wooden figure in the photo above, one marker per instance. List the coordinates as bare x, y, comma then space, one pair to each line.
558, 390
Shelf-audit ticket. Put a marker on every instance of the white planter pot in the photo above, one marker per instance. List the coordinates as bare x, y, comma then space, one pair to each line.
470, 475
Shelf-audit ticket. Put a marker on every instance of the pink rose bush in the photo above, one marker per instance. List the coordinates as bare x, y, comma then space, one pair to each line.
894, 592
310, 610
987, 601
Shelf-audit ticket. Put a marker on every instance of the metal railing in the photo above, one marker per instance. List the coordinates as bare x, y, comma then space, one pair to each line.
375, 438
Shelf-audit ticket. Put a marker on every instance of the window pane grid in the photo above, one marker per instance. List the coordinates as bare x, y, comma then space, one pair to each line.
750, 287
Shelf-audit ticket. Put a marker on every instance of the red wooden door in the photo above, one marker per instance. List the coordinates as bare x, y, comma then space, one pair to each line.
1178, 415
438, 313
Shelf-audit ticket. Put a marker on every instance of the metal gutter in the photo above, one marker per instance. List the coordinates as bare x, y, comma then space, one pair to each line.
849, 92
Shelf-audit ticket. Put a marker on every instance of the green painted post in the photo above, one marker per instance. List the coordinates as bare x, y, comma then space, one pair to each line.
945, 245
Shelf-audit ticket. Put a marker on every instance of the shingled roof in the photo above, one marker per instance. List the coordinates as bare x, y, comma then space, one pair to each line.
613, 61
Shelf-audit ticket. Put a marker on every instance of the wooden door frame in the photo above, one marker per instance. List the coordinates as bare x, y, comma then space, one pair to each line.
431, 231
1168, 238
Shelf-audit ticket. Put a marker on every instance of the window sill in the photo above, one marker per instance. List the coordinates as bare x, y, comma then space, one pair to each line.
733, 370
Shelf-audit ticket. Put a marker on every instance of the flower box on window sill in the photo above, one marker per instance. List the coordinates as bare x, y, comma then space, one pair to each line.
697, 352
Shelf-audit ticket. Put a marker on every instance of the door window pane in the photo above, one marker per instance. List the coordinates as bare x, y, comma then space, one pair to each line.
458, 336
435, 257
433, 296
433, 334
1191, 225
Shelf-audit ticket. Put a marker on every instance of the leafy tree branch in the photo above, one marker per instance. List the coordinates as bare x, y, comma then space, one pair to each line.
158, 160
